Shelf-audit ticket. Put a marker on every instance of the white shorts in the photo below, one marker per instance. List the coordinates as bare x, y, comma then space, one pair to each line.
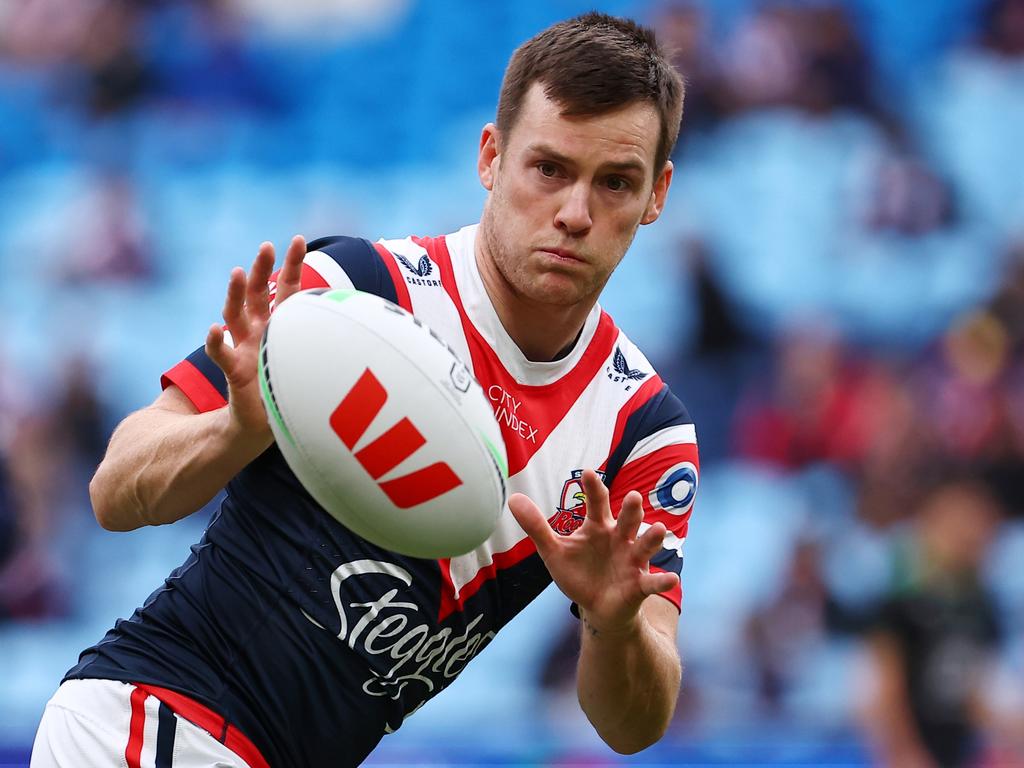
107, 724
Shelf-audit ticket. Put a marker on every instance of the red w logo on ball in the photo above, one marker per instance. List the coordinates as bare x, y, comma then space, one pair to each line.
352, 418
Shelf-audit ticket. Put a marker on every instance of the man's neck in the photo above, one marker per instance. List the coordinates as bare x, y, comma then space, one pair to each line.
543, 332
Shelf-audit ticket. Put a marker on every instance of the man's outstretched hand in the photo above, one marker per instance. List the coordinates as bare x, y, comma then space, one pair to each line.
604, 567
246, 314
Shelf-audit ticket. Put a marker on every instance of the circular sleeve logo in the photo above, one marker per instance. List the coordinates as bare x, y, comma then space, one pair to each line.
676, 489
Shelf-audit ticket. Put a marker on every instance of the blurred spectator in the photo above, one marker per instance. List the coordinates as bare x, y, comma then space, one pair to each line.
684, 29
719, 333
203, 59
50, 443
558, 670
30, 587
780, 634
1008, 303
44, 31
326, 18
10, 411
887, 408
112, 244
45, 464
908, 197
936, 635
794, 625
79, 422
764, 64
805, 412
115, 73
8, 511
808, 57
960, 388
1003, 454
712, 364
1003, 28
836, 66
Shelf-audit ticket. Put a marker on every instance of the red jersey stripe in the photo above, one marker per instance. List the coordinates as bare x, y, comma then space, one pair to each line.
312, 279
450, 603
647, 390
541, 407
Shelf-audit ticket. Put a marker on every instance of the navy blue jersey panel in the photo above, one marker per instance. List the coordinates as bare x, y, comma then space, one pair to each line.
660, 412
353, 630
668, 560
361, 263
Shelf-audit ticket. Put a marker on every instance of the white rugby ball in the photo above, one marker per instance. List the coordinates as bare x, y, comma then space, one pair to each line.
382, 423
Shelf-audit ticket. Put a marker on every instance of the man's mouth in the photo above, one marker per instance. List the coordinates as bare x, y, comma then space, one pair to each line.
563, 254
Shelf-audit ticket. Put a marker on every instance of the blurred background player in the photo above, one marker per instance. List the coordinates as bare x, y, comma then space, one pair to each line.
937, 636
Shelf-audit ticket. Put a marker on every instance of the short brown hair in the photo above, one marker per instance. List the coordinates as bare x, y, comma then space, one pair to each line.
592, 64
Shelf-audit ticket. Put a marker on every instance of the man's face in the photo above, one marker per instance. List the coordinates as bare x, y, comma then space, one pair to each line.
567, 196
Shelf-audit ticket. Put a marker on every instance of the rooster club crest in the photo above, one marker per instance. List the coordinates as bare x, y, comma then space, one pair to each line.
619, 370
572, 509
421, 269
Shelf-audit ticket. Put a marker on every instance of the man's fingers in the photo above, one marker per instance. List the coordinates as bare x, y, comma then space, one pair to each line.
649, 543
656, 583
532, 520
220, 352
257, 291
598, 509
234, 306
630, 516
289, 279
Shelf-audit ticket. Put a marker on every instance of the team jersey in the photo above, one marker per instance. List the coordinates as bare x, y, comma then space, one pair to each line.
314, 642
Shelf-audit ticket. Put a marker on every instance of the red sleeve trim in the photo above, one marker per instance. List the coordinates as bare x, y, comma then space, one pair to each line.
401, 289
197, 388
674, 595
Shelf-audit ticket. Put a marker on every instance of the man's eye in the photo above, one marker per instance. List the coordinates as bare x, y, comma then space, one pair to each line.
617, 184
547, 169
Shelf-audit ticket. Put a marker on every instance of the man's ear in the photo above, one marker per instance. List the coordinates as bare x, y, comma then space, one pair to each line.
658, 194
488, 156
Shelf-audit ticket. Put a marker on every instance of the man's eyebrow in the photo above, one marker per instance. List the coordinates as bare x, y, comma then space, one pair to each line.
624, 166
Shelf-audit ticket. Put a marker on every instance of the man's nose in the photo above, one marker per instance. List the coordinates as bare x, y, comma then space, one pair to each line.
574, 213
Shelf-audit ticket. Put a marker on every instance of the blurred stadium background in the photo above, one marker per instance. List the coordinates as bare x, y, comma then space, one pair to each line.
836, 291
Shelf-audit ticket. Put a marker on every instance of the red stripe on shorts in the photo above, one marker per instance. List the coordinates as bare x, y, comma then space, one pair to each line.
215, 725
133, 752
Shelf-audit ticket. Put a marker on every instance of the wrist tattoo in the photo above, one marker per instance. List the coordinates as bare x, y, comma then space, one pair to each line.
589, 627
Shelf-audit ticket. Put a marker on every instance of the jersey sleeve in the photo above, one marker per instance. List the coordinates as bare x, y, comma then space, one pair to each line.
330, 262
657, 456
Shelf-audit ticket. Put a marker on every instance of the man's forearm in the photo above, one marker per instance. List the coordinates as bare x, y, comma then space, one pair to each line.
161, 466
628, 683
